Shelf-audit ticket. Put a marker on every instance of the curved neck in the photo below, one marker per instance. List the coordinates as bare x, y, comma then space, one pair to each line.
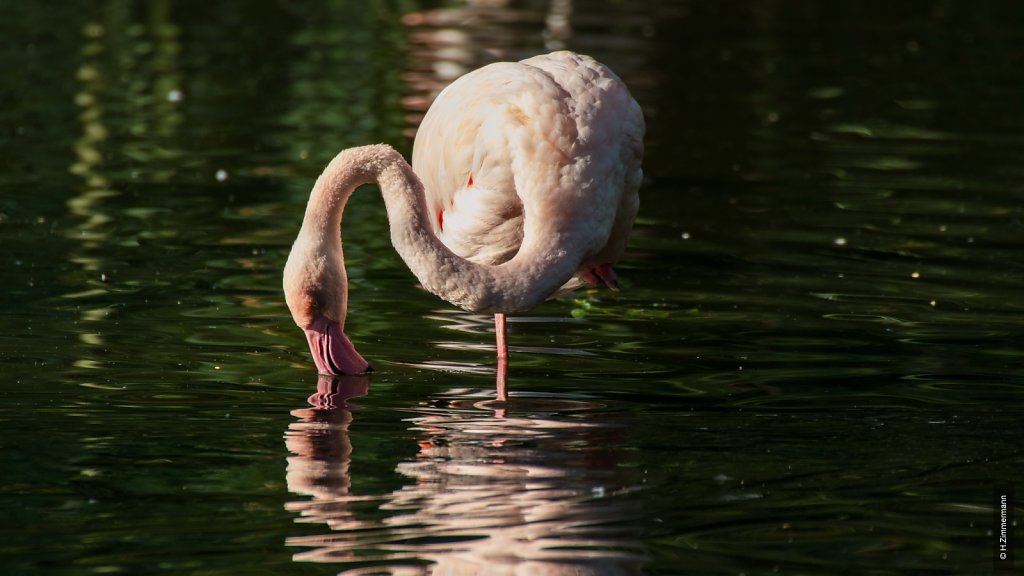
316, 264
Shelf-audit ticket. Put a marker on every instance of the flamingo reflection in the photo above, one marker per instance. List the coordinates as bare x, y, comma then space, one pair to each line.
486, 494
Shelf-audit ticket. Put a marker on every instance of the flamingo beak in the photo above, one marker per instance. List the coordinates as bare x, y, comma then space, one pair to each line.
332, 351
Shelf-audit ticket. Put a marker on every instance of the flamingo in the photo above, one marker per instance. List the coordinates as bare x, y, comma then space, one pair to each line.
523, 186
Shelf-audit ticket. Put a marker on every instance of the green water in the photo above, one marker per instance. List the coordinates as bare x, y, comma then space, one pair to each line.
815, 367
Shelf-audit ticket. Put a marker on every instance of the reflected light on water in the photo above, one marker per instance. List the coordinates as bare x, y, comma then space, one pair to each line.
446, 43
145, 75
536, 493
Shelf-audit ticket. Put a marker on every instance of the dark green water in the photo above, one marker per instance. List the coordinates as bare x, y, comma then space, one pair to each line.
817, 366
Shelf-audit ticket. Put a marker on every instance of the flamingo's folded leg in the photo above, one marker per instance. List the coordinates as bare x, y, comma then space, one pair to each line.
602, 275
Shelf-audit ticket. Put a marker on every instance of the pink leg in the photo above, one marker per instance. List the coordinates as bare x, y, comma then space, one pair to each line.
502, 383
499, 331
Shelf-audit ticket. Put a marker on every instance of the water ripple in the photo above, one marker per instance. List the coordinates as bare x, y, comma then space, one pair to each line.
537, 493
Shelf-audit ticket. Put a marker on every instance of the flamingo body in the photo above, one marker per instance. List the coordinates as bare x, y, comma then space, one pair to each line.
523, 185
555, 139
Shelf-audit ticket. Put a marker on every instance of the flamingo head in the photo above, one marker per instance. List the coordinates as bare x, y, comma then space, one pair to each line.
320, 313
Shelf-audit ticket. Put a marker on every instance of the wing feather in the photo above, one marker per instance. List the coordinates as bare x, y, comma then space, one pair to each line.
552, 146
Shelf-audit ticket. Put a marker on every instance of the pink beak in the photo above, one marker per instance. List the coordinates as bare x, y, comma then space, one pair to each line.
332, 351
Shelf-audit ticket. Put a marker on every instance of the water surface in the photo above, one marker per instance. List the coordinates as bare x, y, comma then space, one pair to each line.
815, 367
